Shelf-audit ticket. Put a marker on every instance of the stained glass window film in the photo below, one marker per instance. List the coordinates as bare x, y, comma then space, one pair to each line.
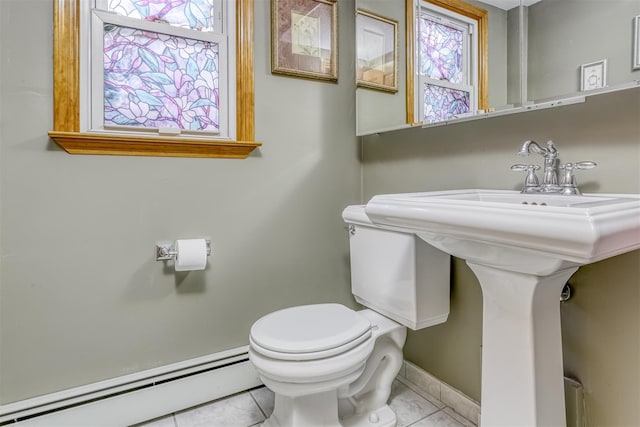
159, 81
194, 14
441, 51
442, 103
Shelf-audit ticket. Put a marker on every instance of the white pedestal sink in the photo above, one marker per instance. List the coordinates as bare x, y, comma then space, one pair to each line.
522, 248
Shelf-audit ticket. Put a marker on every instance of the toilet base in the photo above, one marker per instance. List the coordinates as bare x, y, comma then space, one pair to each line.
314, 410
381, 417
322, 409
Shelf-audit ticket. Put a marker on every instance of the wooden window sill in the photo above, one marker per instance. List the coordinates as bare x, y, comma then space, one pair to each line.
134, 145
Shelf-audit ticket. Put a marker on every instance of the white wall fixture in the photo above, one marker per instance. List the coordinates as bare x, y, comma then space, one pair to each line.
522, 248
593, 75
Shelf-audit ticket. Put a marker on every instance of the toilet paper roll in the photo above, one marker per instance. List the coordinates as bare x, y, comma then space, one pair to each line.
191, 254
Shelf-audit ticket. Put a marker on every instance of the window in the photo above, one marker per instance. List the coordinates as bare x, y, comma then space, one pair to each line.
450, 54
161, 66
154, 79
446, 67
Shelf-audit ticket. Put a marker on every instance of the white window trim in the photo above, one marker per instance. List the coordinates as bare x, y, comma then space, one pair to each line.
91, 86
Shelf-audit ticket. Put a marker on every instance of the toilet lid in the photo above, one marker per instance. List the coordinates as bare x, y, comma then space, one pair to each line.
310, 329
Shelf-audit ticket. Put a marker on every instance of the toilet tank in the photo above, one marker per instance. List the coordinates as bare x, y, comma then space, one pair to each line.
397, 274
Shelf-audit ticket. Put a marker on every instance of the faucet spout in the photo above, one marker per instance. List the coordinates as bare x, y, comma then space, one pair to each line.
551, 163
529, 146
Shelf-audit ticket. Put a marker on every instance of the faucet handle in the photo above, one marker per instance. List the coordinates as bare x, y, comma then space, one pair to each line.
587, 164
531, 181
569, 182
519, 167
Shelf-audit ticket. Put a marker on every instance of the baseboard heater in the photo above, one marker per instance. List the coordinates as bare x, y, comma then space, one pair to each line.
138, 397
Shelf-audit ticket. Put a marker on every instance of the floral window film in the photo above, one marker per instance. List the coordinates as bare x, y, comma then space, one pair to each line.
159, 81
194, 14
441, 103
156, 69
441, 51
447, 50
448, 46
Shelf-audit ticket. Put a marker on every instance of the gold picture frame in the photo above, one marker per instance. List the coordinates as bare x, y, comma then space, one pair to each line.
376, 52
304, 39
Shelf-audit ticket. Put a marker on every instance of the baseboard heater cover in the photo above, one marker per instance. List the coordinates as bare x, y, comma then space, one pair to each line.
141, 396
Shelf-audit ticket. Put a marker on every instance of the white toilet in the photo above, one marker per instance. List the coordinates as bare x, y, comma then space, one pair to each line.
331, 366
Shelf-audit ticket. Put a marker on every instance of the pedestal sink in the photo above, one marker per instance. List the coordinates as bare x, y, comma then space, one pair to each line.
522, 248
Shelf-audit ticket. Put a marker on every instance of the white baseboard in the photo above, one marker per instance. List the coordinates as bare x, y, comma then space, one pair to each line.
138, 397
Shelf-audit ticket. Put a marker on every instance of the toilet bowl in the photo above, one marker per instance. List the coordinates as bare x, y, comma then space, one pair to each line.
312, 357
329, 365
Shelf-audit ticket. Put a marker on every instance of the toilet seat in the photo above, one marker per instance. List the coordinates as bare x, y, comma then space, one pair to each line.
309, 332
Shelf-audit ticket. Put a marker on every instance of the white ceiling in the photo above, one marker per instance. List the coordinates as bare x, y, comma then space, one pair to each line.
509, 4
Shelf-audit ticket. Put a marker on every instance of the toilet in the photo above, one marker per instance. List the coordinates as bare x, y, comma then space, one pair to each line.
329, 365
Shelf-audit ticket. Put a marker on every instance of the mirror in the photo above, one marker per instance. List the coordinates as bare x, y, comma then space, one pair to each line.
565, 35
564, 45
378, 111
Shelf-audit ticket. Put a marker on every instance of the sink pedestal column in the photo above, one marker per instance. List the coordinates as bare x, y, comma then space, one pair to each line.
522, 372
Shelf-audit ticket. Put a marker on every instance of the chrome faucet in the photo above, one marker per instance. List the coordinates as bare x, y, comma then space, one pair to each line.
551, 170
551, 161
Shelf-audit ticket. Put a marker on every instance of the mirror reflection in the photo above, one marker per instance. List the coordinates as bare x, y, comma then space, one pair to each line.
379, 110
565, 35
532, 51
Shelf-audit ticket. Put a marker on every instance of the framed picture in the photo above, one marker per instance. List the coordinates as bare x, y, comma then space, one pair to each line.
636, 43
593, 75
304, 39
376, 51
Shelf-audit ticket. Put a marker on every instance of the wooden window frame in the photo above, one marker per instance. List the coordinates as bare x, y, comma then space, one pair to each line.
66, 99
462, 8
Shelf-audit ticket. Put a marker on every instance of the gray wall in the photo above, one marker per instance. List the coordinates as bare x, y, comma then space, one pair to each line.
565, 34
81, 297
601, 324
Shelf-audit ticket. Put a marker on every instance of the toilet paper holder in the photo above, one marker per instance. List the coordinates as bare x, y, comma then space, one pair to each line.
166, 251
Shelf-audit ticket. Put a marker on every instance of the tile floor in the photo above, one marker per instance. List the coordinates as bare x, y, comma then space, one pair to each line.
251, 408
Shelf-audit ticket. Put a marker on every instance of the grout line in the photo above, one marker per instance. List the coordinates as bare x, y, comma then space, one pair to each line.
458, 417
425, 417
258, 405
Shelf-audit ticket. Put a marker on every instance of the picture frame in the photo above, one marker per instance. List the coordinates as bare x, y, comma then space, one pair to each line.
304, 39
636, 44
376, 52
593, 75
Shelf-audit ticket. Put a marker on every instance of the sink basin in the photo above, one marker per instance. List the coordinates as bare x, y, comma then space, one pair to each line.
573, 229
522, 248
